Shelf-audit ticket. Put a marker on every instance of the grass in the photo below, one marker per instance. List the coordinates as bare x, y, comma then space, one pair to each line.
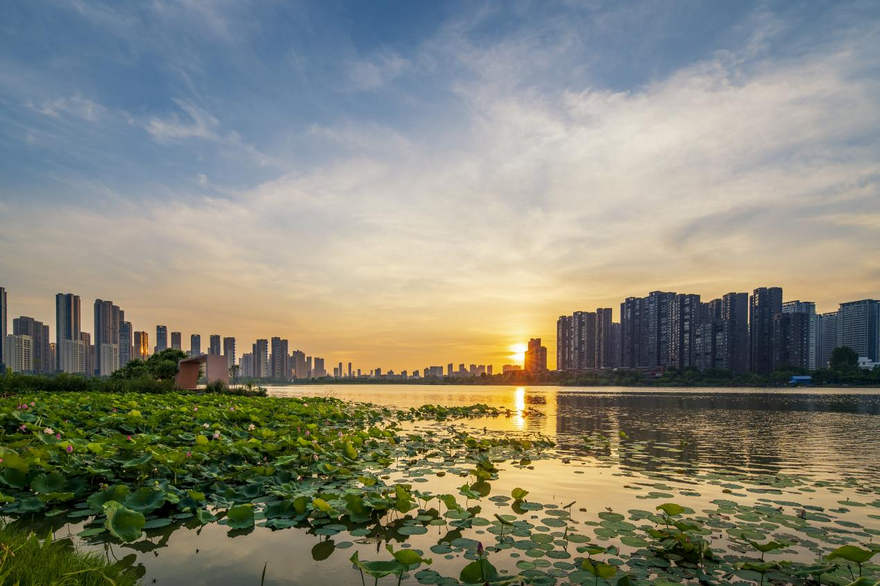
28, 560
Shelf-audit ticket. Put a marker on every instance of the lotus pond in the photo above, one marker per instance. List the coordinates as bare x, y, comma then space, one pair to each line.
499, 485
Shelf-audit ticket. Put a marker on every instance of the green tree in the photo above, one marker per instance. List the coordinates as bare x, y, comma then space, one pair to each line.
844, 357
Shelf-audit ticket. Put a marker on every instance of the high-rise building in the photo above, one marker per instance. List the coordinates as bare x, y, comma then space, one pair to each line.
858, 327
214, 345
260, 351
141, 346
72, 356
536, 356
826, 338
68, 323
195, 345
604, 341
809, 308
565, 343
177, 340
735, 316
108, 322
246, 365
279, 362
764, 304
299, 365
125, 343
40, 344
685, 314
3, 324
791, 331
229, 351
349, 370
89, 359
109, 359
646, 330
577, 341
161, 338
18, 353
319, 370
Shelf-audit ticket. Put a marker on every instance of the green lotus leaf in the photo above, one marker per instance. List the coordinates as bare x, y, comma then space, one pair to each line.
117, 492
145, 500
851, 553
478, 572
519, 493
378, 569
408, 557
122, 522
241, 516
46, 483
671, 509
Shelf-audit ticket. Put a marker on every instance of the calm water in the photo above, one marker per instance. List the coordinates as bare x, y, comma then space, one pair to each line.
689, 433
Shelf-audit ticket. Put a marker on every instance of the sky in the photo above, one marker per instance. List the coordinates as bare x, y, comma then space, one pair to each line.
404, 184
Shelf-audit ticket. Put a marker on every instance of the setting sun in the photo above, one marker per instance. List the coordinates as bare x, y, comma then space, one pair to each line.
518, 352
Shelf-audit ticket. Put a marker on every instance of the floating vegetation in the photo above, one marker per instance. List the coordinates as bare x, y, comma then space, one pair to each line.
426, 484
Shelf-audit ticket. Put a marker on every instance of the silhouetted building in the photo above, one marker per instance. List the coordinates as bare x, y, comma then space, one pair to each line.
604, 339
858, 327
177, 340
319, 370
108, 356
229, 351
536, 356
72, 356
125, 343
3, 324
809, 308
684, 317
791, 332
735, 316
764, 304
41, 362
279, 366
260, 351
246, 365
299, 364
195, 345
646, 330
826, 338
88, 353
68, 323
214, 345
161, 338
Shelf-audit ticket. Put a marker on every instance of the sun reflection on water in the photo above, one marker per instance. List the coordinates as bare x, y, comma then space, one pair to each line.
519, 405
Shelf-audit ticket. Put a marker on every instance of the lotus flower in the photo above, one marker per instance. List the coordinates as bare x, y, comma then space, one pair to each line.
252, 427
49, 431
195, 408
189, 454
129, 438
57, 436
205, 425
216, 435
69, 448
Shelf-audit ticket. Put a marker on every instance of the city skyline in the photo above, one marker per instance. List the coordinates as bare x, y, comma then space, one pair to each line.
745, 325
436, 181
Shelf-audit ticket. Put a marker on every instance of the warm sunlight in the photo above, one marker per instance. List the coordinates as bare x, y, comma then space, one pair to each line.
518, 352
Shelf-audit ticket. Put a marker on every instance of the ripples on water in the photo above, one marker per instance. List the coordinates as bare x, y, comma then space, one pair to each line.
815, 432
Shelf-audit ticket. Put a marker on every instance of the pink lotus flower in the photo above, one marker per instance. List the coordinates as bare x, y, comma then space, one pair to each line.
129, 438
33, 404
23, 427
216, 435
195, 408
189, 454
69, 448
308, 433
479, 549
316, 457
232, 408
57, 436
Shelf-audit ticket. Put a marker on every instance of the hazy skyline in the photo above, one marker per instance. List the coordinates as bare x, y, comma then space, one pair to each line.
404, 184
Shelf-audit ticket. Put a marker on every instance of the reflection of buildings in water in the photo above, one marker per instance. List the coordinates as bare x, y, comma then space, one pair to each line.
532, 409
758, 432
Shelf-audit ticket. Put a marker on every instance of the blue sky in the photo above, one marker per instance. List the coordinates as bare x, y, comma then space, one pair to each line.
432, 181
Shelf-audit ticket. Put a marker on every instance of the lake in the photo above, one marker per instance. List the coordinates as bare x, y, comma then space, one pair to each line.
802, 452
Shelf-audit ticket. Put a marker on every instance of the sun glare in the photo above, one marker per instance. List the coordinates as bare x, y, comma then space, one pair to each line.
518, 352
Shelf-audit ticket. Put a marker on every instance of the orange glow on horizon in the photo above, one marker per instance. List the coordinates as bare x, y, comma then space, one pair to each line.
518, 352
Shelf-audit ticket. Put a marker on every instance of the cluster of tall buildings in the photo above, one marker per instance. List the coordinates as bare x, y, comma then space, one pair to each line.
739, 332
114, 342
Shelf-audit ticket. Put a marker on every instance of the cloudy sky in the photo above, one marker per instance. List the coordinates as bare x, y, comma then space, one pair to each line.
410, 183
